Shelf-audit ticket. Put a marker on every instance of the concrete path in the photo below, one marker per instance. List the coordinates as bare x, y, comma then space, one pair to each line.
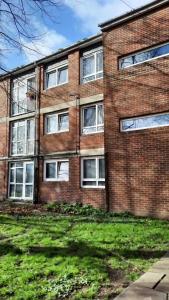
153, 285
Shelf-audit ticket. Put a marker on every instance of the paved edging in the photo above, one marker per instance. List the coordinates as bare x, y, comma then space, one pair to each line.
153, 285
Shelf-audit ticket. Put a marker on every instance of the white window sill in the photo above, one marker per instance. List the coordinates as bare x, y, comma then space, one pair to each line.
54, 86
56, 132
82, 82
93, 187
93, 132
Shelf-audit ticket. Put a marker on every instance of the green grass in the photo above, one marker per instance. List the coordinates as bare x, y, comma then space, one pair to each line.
60, 257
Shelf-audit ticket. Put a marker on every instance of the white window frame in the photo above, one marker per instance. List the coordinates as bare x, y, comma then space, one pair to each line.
25, 163
97, 179
56, 114
56, 161
24, 82
97, 125
141, 128
91, 53
56, 69
25, 153
142, 51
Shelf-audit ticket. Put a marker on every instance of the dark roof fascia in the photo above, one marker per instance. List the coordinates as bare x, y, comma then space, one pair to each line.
133, 14
59, 54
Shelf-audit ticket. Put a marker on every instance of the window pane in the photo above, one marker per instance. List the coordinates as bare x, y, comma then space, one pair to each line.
101, 168
19, 175
19, 165
30, 147
101, 183
20, 148
89, 183
63, 122
90, 116
12, 190
30, 129
144, 56
29, 173
99, 62
31, 84
50, 170
88, 66
14, 148
21, 132
145, 122
62, 75
63, 167
14, 133
12, 174
19, 190
14, 108
51, 79
51, 124
89, 168
100, 114
22, 91
28, 191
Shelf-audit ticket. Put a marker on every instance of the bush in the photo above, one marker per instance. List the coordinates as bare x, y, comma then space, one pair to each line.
83, 210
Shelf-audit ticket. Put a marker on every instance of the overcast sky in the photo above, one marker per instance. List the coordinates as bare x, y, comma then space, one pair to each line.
74, 20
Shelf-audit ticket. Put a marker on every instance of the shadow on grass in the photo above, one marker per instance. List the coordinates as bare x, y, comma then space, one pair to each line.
82, 249
8, 248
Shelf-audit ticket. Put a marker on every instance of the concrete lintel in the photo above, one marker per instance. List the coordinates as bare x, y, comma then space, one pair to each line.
91, 99
72, 103
21, 117
60, 106
91, 152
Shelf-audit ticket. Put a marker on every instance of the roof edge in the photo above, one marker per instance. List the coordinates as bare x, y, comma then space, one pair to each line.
133, 14
60, 53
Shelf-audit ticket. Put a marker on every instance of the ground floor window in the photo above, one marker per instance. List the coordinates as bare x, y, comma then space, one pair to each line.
21, 179
56, 170
93, 172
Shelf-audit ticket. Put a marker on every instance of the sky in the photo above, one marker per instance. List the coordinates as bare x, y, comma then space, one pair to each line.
72, 21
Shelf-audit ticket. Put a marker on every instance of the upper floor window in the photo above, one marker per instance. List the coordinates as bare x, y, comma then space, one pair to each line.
93, 118
92, 65
145, 122
93, 172
23, 95
22, 137
143, 56
56, 170
56, 75
57, 122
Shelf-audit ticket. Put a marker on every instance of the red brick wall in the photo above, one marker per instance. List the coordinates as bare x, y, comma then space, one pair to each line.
3, 137
70, 191
70, 141
138, 162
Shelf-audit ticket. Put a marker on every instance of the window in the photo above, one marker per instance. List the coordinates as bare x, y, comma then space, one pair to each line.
23, 96
92, 66
92, 118
22, 137
144, 122
56, 170
93, 172
21, 180
58, 122
143, 56
57, 76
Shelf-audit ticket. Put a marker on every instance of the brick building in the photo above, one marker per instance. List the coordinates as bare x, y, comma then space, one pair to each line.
90, 123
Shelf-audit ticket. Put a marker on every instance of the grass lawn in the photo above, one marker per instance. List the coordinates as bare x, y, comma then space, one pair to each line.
60, 257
